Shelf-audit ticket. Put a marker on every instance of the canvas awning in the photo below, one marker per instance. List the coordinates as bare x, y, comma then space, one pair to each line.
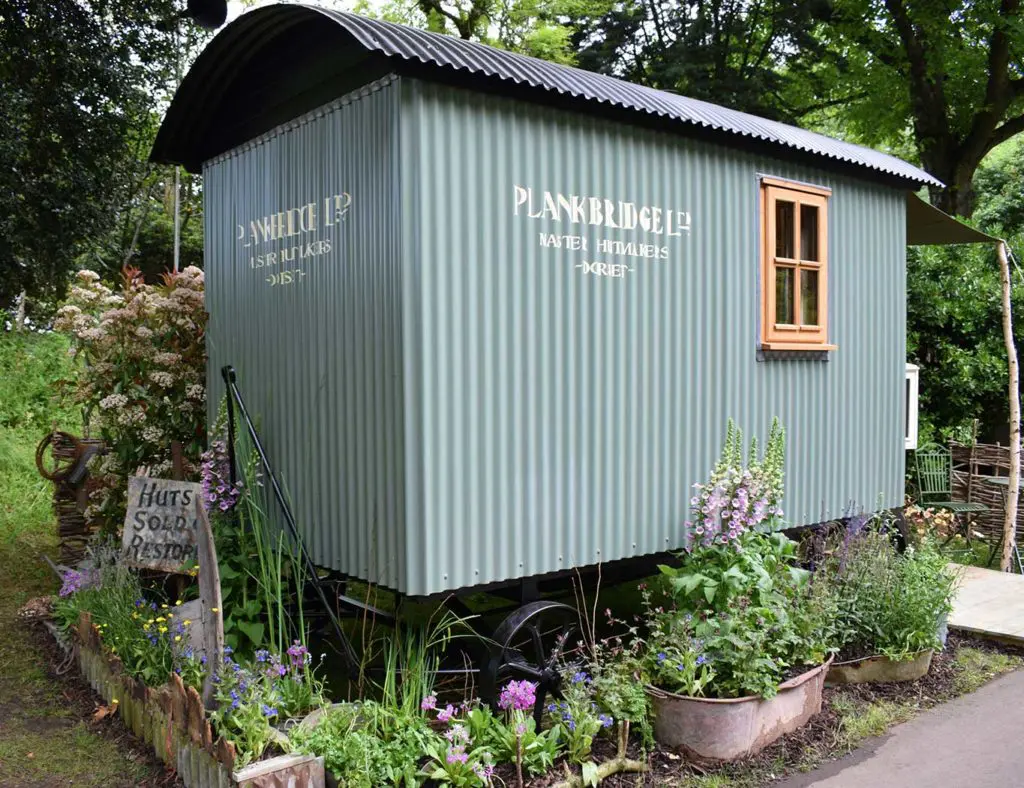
927, 225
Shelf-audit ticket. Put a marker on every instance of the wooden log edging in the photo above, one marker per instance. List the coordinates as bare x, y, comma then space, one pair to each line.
171, 719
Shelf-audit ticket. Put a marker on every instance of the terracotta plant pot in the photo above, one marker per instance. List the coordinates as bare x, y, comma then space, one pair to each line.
710, 729
880, 669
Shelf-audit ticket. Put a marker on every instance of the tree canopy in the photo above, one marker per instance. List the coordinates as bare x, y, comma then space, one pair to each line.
79, 82
948, 75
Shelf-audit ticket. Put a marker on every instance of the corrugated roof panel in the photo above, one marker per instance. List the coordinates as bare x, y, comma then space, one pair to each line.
408, 44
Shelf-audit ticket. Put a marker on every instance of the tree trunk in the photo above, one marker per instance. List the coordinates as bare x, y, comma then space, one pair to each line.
19, 315
957, 198
1013, 493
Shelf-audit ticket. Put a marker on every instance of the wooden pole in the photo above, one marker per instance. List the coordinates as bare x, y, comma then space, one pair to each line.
1013, 493
209, 594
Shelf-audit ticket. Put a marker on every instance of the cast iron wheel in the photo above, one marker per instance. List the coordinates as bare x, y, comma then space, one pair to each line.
531, 644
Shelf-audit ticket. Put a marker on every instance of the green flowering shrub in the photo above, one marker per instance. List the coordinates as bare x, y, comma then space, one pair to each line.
740, 614
141, 380
886, 603
144, 634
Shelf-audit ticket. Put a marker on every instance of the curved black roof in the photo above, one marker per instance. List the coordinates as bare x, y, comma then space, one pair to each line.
191, 132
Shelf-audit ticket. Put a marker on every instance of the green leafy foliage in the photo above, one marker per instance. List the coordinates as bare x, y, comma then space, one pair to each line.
739, 613
737, 53
142, 378
884, 602
898, 68
79, 80
251, 696
144, 634
954, 314
368, 744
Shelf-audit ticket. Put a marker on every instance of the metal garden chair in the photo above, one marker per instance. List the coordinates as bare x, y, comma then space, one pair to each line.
935, 489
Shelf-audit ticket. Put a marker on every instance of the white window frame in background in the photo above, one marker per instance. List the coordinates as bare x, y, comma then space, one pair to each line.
910, 405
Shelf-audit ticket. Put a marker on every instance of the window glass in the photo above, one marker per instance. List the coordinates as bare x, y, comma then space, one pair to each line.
809, 297
785, 228
784, 312
809, 232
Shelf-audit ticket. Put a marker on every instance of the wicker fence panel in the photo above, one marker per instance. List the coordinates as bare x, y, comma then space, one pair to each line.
973, 466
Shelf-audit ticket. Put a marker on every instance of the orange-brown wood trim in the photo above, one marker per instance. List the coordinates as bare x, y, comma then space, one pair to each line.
796, 186
809, 346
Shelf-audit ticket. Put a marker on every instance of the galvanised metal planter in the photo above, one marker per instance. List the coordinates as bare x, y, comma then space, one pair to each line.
712, 729
880, 669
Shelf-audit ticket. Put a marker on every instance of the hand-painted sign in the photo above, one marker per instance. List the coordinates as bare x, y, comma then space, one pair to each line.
160, 527
657, 225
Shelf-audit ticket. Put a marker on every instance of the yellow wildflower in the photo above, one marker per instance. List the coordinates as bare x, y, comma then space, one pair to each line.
178, 602
161, 620
162, 630
214, 609
187, 622
177, 638
115, 701
164, 606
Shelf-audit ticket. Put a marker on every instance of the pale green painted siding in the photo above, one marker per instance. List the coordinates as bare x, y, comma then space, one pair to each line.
557, 419
319, 361
451, 404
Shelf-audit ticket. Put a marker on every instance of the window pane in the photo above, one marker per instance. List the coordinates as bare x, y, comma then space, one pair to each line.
809, 297
785, 228
809, 232
784, 295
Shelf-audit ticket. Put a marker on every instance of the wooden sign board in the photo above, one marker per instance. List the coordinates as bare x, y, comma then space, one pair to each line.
161, 526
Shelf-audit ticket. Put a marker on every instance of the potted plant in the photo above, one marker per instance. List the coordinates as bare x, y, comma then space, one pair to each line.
738, 654
889, 607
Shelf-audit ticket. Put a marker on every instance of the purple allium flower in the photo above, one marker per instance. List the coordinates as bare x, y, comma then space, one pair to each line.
518, 695
298, 654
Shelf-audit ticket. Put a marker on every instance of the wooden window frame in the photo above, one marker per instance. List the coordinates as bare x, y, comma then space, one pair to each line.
797, 335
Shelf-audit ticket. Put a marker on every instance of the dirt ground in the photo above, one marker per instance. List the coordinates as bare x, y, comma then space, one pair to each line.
49, 734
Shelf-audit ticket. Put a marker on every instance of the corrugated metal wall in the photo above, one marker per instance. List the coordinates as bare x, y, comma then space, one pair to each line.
319, 360
556, 419
450, 403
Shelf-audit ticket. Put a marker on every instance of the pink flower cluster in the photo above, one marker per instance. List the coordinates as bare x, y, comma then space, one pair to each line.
518, 695
218, 491
738, 499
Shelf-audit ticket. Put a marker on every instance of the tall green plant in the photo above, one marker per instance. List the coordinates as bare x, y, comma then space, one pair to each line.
142, 376
885, 603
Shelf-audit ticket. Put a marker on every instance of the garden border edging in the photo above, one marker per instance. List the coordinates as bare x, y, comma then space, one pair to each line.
172, 720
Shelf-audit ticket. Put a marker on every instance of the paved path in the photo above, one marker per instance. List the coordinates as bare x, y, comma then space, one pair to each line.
975, 741
990, 603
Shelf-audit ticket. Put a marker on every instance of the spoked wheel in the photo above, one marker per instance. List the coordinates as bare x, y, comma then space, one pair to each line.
56, 455
531, 644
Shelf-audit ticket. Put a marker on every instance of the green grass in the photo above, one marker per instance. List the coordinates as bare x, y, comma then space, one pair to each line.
43, 740
873, 719
977, 667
